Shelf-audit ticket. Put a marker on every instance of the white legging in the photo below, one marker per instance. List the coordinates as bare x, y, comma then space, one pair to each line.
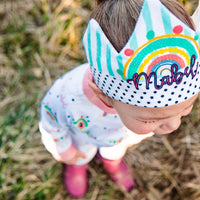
111, 153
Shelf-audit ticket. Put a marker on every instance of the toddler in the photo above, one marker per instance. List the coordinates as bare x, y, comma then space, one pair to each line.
142, 76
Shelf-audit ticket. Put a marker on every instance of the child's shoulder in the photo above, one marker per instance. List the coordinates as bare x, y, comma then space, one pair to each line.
79, 69
73, 75
69, 83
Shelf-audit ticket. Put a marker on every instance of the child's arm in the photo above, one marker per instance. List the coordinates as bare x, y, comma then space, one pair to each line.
70, 156
54, 127
61, 148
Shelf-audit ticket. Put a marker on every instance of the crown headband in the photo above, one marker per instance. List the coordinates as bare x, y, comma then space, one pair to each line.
159, 65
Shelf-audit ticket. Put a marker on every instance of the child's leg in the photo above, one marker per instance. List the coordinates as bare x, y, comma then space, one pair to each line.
75, 179
75, 176
111, 158
119, 172
119, 150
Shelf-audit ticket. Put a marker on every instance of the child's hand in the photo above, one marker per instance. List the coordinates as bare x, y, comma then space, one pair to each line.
71, 156
77, 155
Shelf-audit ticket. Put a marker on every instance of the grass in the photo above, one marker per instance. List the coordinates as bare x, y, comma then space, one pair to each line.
39, 41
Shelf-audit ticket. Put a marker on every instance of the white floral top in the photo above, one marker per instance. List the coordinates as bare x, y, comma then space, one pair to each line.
70, 107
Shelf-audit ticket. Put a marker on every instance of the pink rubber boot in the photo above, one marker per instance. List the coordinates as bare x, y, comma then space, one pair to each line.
75, 179
119, 172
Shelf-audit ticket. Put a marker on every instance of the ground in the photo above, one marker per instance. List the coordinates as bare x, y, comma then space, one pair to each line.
39, 41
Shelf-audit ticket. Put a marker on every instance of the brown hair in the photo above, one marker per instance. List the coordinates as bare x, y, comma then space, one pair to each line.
117, 18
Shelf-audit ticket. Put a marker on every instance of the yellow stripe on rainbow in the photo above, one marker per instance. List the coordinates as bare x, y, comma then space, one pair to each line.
161, 52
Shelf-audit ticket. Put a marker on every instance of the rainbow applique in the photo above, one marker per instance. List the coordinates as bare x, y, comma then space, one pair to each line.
104, 114
81, 123
50, 113
160, 53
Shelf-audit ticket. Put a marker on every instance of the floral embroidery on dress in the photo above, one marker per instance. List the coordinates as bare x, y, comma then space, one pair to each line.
81, 123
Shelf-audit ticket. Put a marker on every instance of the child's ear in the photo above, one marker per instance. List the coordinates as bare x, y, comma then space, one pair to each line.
104, 98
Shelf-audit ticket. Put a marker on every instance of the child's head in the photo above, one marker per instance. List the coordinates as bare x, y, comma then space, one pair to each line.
117, 18
144, 54
161, 121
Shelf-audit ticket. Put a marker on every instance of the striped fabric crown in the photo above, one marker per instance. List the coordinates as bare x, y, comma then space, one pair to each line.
159, 65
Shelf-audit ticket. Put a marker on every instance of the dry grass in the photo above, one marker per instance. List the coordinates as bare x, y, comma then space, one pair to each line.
39, 41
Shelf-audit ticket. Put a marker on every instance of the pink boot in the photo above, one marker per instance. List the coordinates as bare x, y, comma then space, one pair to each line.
119, 172
75, 179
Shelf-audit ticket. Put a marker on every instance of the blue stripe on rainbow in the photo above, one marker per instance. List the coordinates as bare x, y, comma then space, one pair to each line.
165, 60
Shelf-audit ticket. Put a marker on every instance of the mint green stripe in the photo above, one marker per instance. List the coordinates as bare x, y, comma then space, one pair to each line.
108, 58
166, 20
98, 35
147, 16
133, 42
120, 64
89, 45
